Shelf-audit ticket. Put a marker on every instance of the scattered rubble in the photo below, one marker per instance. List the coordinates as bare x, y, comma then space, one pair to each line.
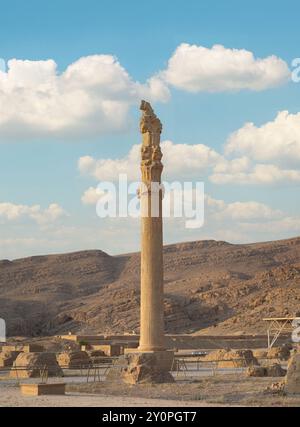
274, 370
281, 353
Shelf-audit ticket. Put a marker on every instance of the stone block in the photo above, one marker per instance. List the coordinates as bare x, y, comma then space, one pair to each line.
29, 365
42, 389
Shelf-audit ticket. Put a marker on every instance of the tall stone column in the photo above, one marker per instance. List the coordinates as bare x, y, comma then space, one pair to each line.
151, 362
152, 310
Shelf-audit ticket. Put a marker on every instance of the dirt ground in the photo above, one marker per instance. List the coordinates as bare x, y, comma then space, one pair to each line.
228, 390
221, 390
11, 397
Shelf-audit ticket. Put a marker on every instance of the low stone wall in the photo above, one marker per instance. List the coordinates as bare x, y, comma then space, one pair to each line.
183, 341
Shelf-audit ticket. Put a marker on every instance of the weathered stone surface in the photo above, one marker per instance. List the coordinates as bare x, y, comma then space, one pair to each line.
24, 348
139, 368
7, 358
232, 358
73, 359
256, 371
108, 349
260, 353
292, 379
29, 365
150, 193
274, 370
282, 352
43, 389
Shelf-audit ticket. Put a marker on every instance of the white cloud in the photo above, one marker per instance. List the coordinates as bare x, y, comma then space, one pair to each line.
260, 174
236, 222
266, 155
286, 224
180, 161
198, 161
196, 68
109, 169
91, 196
92, 95
14, 212
240, 211
188, 161
276, 141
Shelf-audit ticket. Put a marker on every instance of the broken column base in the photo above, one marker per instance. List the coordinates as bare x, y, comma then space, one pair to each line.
151, 367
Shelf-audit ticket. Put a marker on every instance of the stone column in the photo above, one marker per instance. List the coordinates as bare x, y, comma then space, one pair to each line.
152, 310
150, 362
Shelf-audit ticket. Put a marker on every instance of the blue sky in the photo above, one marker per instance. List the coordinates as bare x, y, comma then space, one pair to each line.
40, 167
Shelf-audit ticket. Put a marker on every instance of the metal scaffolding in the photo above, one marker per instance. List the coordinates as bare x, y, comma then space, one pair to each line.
277, 326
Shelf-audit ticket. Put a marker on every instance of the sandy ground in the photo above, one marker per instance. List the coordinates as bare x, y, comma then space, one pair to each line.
11, 397
228, 387
224, 390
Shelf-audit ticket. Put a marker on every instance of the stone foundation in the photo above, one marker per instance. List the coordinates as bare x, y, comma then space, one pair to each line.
143, 367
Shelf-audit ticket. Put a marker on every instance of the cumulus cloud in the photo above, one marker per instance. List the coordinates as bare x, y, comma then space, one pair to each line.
257, 174
109, 169
269, 154
14, 212
236, 222
287, 224
91, 196
196, 69
93, 95
198, 161
180, 161
247, 221
241, 211
277, 141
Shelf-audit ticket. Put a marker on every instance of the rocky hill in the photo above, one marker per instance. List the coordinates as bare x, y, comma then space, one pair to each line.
210, 286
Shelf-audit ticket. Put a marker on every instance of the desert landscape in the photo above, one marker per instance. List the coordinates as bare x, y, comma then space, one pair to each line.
149, 208
210, 288
216, 296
